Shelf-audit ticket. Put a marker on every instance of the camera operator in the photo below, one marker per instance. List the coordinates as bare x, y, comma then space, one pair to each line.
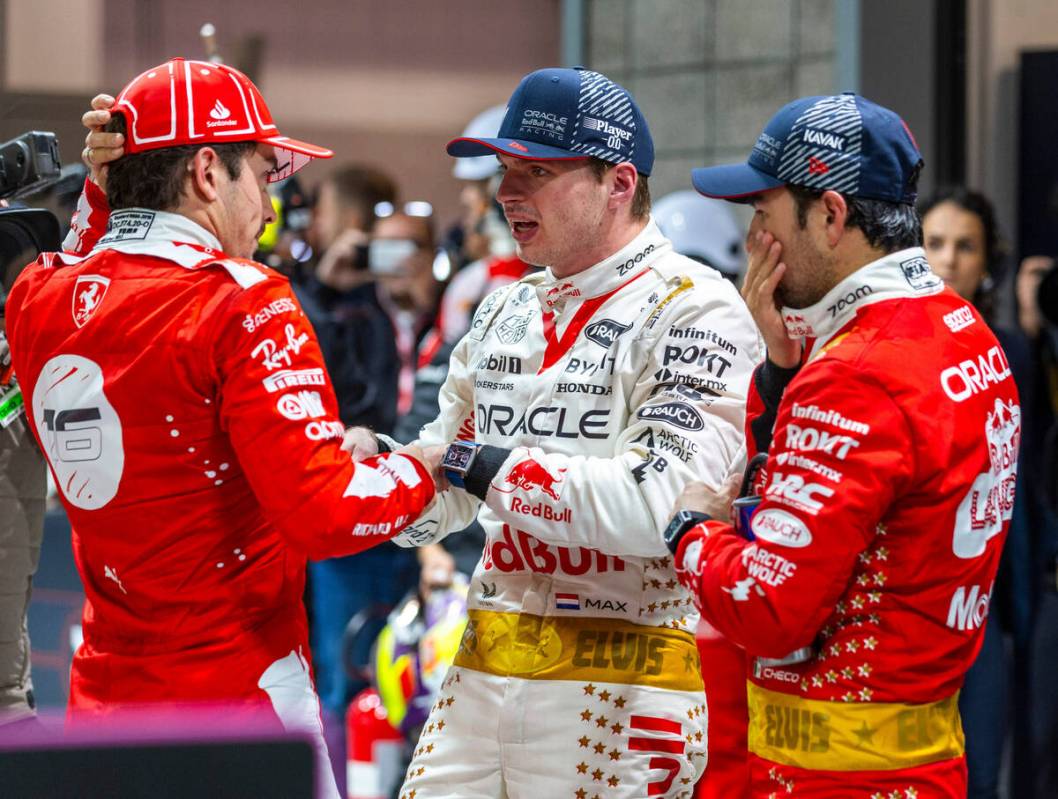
24, 234
28, 163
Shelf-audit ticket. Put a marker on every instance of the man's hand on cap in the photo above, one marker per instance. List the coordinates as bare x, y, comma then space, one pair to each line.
100, 147
763, 274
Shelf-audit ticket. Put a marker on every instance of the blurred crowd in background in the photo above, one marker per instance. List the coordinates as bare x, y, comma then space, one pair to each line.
390, 288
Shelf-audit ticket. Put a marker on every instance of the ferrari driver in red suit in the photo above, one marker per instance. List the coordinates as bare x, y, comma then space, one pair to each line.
181, 399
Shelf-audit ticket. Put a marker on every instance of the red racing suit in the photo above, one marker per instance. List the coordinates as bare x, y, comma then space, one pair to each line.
889, 492
182, 402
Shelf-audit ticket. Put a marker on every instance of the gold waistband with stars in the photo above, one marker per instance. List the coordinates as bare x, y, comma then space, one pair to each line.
839, 736
589, 649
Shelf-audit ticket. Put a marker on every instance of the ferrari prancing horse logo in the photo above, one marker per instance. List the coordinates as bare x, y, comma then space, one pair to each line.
87, 294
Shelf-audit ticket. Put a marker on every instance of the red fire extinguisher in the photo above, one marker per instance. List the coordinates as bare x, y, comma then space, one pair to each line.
374, 750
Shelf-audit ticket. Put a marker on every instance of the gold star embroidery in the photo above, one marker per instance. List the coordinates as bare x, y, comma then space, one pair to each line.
910, 793
879, 578
851, 646
690, 738
613, 782
865, 694
875, 597
584, 742
863, 579
599, 748
597, 774
604, 696
450, 700
602, 721
847, 673
848, 697
882, 553
589, 689
586, 715
580, 793
832, 676
665, 605
652, 607
429, 748
858, 603
865, 670
698, 736
615, 755
619, 702
582, 768
440, 725
616, 729
421, 771
430, 728
870, 643
817, 681
656, 583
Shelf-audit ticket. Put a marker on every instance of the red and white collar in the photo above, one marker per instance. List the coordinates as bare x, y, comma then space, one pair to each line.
606, 275
904, 274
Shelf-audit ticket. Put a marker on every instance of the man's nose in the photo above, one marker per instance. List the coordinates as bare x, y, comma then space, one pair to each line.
510, 188
268, 211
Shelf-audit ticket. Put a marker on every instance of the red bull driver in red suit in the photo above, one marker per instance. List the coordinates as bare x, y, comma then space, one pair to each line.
180, 397
581, 401
890, 475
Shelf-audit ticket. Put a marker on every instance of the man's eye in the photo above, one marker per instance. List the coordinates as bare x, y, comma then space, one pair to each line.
538, 171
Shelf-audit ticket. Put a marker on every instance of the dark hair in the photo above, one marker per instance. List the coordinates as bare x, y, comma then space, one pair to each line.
886, 225
978, 205
974, 202
156, 178
640, 200
361, 188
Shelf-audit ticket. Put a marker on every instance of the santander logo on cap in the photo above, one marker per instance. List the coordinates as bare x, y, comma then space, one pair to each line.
198, 102
219, 111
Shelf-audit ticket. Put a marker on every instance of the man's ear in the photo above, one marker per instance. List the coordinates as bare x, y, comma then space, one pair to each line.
203, 168
835, 211
623, 186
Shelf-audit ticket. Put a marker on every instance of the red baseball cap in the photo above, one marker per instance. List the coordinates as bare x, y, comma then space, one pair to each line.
198, 102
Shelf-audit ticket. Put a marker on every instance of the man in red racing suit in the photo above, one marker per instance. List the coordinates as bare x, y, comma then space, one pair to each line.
181, 400
862, 593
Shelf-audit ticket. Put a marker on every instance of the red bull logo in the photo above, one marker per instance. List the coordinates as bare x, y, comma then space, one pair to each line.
560, 292
530, 475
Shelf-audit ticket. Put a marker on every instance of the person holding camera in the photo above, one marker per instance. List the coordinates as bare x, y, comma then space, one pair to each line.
180, 397
860, 584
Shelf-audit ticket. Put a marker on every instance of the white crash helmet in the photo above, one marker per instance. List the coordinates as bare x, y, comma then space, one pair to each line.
702, 228
485, 125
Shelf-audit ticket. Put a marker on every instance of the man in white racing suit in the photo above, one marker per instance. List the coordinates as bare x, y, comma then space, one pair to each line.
580, 402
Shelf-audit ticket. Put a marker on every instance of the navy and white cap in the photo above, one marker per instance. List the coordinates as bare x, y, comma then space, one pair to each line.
558, 114
842, 143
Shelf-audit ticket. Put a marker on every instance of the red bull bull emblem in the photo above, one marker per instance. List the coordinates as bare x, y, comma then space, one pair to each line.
530, 475
560, 292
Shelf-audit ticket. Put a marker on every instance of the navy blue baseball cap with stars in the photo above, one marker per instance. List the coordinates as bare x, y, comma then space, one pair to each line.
842, 142
561, 114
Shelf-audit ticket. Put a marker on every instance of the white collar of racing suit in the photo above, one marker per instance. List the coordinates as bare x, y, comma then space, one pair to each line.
900, 274
608, 274
160, 234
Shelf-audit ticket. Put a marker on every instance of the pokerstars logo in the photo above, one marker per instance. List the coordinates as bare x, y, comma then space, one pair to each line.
220, 116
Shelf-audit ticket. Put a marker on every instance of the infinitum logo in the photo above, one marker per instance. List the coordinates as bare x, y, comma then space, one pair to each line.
221, 116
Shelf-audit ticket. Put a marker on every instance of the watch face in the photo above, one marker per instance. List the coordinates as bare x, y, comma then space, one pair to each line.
457, 456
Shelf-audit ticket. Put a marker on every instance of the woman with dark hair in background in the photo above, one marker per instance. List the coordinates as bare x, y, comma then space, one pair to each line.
964, 248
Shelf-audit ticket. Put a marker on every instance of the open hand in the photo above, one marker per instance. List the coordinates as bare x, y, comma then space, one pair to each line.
763, 274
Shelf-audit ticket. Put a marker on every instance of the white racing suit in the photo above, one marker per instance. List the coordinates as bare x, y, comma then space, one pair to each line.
607, 391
